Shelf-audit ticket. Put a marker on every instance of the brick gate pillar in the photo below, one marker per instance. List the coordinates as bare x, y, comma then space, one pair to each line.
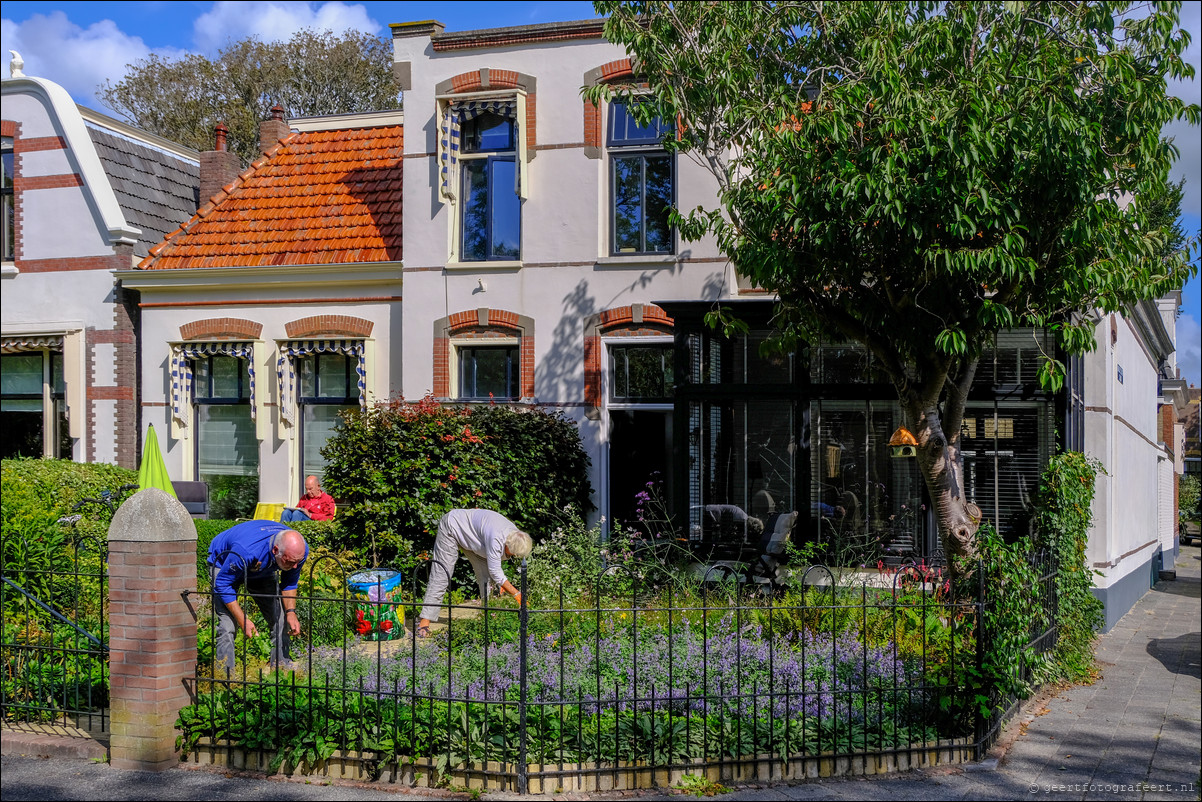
152, 631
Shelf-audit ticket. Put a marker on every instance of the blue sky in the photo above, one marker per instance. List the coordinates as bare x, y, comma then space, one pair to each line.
81, 44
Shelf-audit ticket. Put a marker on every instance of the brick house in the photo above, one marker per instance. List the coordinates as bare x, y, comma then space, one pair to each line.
84, 195
539, 268
274, 306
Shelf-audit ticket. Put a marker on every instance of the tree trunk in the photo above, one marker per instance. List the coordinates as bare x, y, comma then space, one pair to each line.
942, 465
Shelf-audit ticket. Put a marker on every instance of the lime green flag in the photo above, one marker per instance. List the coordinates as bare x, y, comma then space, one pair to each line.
153, 471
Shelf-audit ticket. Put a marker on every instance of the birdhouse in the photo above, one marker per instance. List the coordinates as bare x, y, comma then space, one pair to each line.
902, 444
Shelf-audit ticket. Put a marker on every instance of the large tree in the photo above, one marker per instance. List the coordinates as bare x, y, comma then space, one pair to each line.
915, 176
312, 73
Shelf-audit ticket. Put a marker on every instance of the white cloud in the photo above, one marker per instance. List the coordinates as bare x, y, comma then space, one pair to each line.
78, 59
275, 21
1189, 349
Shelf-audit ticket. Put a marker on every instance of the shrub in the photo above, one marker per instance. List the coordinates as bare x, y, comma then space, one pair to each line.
44, 490
1063, 520
398, 467
1189, 493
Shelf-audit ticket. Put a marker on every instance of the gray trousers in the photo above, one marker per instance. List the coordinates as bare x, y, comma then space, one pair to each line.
266, 593
442, 565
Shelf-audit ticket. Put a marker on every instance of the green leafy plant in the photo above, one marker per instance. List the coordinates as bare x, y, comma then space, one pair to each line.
1063, 520
696, 785
398, 467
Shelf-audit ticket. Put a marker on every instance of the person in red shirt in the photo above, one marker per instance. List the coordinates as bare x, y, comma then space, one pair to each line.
315, 504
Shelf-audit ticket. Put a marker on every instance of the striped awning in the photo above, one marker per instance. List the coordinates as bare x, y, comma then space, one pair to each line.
458, 112
181, 372
34, 342
286, 369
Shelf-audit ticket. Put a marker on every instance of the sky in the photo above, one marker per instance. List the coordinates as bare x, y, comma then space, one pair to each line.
80, 45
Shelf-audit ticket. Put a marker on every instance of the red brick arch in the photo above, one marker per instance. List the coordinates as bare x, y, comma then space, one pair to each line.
482, 323
488, 78
636, 320
614, 72
328, 326
221, 328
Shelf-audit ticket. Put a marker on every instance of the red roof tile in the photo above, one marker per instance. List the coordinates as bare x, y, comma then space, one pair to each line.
319, 197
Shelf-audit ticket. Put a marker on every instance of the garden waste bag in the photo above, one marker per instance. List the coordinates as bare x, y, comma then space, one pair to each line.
377, 597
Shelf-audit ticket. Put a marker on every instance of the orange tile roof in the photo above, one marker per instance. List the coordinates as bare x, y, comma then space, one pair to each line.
320, 197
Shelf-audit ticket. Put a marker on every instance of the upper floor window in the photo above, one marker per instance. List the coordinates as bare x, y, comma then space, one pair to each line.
642, 184
8, 230
481, 152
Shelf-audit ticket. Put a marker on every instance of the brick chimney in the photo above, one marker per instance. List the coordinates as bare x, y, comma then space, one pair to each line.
273, 130
218, 166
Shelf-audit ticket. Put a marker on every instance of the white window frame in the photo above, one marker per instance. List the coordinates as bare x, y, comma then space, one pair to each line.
453, 199
481, 342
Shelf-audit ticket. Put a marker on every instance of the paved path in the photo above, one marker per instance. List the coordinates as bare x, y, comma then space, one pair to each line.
1134, 734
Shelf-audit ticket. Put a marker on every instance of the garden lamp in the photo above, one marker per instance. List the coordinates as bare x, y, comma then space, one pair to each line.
902, 444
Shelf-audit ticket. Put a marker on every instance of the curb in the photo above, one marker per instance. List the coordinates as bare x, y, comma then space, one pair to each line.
28, 744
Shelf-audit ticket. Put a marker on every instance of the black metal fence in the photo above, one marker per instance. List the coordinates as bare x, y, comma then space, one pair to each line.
54, 619
617, 682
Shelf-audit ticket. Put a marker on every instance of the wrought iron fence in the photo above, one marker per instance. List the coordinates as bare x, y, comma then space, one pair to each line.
54, 619
617, 682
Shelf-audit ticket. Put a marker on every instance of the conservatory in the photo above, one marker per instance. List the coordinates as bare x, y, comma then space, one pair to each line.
769, 448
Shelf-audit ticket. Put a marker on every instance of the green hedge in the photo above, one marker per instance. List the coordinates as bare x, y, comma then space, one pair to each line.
398, 467
37, 492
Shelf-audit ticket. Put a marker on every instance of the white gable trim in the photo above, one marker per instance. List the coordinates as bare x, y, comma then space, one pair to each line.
95, 180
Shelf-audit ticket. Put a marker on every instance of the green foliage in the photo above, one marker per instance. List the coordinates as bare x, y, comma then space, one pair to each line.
1062, 524
398, 467
1189, 494
916, 176
37, 492
697, 785
232, 496
312, 73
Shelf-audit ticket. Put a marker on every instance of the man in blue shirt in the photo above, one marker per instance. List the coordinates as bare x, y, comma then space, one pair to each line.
252, 552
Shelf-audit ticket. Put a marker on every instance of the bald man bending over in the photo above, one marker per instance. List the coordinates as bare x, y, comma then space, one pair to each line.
252, 552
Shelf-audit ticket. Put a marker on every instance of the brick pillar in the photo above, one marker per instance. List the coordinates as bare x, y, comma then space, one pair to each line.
152, 632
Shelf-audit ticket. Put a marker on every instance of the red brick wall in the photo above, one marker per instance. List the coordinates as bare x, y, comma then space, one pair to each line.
152, 647
221, 328
478, 324
329, 326
617, 322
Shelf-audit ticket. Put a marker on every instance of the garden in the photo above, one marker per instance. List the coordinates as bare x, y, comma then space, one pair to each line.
624, 653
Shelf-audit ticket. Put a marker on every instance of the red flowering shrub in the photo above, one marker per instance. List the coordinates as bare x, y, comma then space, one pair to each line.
398, 467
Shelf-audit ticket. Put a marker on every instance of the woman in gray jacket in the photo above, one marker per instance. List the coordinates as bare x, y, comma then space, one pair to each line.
487, 538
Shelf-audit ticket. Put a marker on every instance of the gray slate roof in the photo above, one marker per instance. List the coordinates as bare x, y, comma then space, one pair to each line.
158, 191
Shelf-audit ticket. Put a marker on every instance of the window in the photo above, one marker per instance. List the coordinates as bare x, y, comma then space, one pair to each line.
640, 433
489, 372
33, 409
227, 450
641, 373
491, 219
8, 232
328, 386
642, 184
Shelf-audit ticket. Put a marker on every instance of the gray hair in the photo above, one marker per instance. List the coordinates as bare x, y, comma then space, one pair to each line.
519, 544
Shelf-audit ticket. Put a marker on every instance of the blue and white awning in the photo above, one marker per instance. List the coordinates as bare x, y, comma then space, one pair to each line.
181, 373
286, 369
458, 112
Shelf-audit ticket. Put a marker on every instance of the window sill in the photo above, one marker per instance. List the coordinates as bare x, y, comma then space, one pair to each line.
489, 265
9, 269
638, 260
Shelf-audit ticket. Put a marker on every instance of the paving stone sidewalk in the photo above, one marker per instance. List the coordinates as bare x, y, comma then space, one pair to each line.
1136, 733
